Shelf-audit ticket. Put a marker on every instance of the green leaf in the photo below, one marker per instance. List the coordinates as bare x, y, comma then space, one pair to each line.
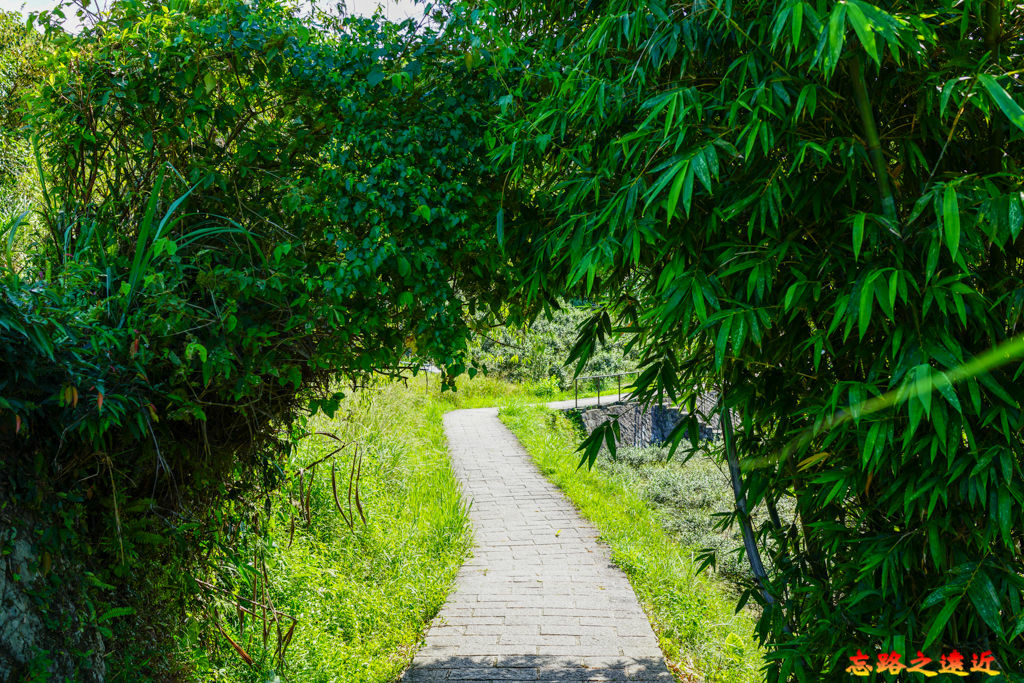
698, 303
195, 348
797, 25
951, 220
1005, 515
375, 77
677, 186
722, 343
865, 32
940, 381
935, 629
787, 302
871, 443
114, 613
858, 233
688, 190
936, 546
922, 387
983, 595
1015, 215
1009, 107
866, 299
932, 260
836, 35
700, 166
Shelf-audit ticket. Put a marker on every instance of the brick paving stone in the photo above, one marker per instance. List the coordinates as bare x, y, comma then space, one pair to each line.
540, 599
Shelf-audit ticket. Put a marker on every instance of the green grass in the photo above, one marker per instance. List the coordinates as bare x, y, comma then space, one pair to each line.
690, 498
693, 614
364, 596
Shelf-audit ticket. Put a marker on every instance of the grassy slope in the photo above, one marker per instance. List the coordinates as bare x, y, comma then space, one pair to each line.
363, 597
692, 614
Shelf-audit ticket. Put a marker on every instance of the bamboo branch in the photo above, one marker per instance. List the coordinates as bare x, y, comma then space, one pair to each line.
874, 143
749, 542
993, 22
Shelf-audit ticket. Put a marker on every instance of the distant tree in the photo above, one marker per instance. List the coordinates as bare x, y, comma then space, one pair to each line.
816, 208
537, 351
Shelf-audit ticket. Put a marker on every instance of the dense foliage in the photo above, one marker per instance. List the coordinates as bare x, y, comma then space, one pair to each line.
812, 208
815, 207
238, 212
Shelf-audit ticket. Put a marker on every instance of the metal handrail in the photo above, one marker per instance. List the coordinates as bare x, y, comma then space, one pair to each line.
619, 375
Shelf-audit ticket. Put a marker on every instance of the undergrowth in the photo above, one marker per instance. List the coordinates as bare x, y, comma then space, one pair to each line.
693, 499
361, 596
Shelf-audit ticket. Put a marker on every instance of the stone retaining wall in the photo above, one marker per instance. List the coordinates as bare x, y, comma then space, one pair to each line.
640, 426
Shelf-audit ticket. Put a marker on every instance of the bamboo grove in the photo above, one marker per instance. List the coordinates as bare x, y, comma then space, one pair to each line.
816, 209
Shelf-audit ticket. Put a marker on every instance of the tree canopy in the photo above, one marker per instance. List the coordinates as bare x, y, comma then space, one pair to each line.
815, 208
243, 211
258, 206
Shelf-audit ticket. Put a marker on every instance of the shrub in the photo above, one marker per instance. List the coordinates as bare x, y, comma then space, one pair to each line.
238, 211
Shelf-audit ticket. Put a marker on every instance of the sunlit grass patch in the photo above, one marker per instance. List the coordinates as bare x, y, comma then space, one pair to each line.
362, 595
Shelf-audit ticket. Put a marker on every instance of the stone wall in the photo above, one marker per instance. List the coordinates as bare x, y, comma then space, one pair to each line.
41, 634
639, 426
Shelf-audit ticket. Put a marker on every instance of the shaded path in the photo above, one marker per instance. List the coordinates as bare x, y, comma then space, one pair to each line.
539, 600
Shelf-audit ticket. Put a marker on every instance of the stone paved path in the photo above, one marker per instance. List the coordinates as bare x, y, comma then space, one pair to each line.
539, 600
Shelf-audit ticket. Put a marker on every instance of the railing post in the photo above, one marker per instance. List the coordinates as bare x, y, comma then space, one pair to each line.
619, 379
599, 390
576, 388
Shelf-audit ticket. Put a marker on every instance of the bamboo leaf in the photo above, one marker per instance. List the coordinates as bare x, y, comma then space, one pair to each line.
836, 35
1002, 99
865, 32
951, 220
700, 166
722, 342
797, 23
942, 382
858, 233
935, 629
864, 315
677, 186
983, 595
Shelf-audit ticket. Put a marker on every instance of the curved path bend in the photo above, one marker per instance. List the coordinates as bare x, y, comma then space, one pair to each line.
540, 599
